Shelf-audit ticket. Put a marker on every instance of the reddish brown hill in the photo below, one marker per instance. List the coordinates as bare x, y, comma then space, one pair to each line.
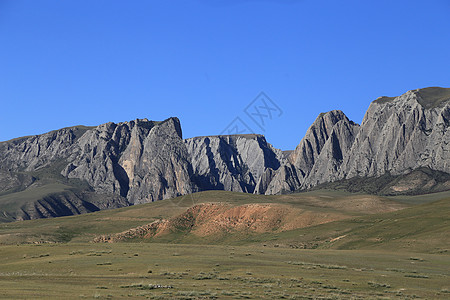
218, 218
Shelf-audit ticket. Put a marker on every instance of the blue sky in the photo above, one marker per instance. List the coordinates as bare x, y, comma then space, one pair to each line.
65, 63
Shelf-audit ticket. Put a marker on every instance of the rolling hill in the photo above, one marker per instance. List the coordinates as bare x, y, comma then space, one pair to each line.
317, 219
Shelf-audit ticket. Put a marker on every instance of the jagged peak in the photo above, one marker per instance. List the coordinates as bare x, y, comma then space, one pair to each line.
326, 121
140, 122
332, 113
245, 136
176, 123
143, 123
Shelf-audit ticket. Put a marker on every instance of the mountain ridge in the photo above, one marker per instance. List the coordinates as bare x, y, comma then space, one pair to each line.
143, 161
397, 135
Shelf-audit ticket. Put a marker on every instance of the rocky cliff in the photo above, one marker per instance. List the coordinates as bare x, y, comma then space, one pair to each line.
84, 169
231, 163
141, 160
397, 135
319, 154
402, 134
58, 173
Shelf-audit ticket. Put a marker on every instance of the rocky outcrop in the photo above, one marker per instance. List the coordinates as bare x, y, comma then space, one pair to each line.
158, 166
401, 134
286, 179
318, 156
141, 160
334, 152
305, 155
34, 152
397, 136
231, 162
121, 164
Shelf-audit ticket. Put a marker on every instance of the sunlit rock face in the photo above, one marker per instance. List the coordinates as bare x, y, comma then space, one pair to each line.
396, 136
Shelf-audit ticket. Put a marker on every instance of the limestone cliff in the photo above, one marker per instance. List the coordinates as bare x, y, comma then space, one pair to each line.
141, 160
231, 163
67, 171
397, 135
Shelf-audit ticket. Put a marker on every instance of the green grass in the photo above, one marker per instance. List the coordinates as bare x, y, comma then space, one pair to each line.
10, 203
420, 228
83, 228
420, 199
74, 271
423, 228
434, 96
385, 185
401, 254
48, 182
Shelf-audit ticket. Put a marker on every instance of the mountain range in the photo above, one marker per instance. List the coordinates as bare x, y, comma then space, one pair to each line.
401, 147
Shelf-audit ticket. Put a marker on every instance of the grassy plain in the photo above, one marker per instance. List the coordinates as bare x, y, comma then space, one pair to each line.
178, 271
371, 253
83, 228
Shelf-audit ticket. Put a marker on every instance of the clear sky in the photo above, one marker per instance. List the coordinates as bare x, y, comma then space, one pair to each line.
64, 63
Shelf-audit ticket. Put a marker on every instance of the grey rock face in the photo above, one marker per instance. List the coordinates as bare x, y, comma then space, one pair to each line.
397, 136
318, 155
34, 152
121, 164
94, 158
334, 152
305, 155
141, 160
287, 178
401, 134
157, 165
264, 181
231, 163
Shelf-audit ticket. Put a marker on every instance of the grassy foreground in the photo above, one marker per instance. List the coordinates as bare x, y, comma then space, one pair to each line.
377, 248
168, 271
83, 228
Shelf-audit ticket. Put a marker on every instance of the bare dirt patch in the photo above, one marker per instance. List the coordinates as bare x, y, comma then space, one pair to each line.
218, 218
